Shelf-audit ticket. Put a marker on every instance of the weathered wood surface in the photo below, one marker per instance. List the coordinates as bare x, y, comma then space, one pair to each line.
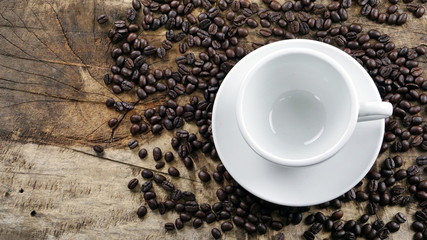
53, 55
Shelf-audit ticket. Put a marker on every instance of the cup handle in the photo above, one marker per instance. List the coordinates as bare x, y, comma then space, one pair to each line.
369, 111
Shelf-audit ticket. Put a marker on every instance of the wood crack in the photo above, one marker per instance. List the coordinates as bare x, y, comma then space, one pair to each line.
32, 173
52, 61
42, 42
43, 76
52, 96
128, 164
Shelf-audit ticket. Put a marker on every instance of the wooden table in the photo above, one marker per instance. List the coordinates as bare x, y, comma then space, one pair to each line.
53, 56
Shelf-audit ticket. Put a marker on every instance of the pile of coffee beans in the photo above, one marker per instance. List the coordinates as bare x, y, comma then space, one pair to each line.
211, 36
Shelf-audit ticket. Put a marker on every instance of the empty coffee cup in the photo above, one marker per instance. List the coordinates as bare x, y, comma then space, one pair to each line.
298, 107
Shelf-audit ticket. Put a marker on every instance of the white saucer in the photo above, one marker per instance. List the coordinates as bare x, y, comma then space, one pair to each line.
300, 186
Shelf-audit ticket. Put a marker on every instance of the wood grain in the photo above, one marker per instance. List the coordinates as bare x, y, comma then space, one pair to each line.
53, 55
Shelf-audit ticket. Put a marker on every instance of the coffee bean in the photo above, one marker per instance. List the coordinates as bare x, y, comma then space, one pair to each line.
204, 176
152, 204
142, 153
188, 163
418, 226
157, 154
413, 170
133, 183
197, 222
102, 19
173, 172
98, 149
226, 226
265, 32
169, 226
372, 208
216, 233
400, 217
160, 165
142, 211
136, 4
146, 187
159, 178
146, 173
249, 227
133, 144
308, 235
168, 186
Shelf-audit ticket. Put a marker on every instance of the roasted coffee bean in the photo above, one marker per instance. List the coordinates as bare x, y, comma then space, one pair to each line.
413, 170
157, 154
136, 4
146, 187
133, 183
372, 208
418, 227
276, 225
159, 178
197, 222
216, 233
204, 176
265, 32
226, 226
102, 19
400, 217
188, 163
169, 226
98, 149
279, 236
419, 12
168, 186
142, 211
152, 204
146, 173
173, 172
308, 235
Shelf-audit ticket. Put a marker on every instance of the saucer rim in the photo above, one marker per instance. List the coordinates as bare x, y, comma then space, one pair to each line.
379, 128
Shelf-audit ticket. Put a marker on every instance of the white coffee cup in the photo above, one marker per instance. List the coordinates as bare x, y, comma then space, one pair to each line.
298, 107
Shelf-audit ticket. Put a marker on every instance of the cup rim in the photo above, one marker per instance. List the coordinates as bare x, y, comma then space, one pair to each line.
300, 162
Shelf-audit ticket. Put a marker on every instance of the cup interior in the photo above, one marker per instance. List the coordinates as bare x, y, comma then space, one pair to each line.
296, 107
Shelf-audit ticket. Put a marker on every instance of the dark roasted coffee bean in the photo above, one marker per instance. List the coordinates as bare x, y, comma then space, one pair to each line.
142, 211
197, 222
136, 4
157, 154
308, 235
152, 204
216, 233
372, 208
173, 172
204, 176
169, 226
418, 226
393, 226
146, 187
159, 178
400, 217
98, 149
146, 173
226, 226
133, 183
102, 19
276, 225
413, 170
364, 218
168, 186
265, 32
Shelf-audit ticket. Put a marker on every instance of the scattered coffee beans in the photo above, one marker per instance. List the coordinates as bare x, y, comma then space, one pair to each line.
211, 38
